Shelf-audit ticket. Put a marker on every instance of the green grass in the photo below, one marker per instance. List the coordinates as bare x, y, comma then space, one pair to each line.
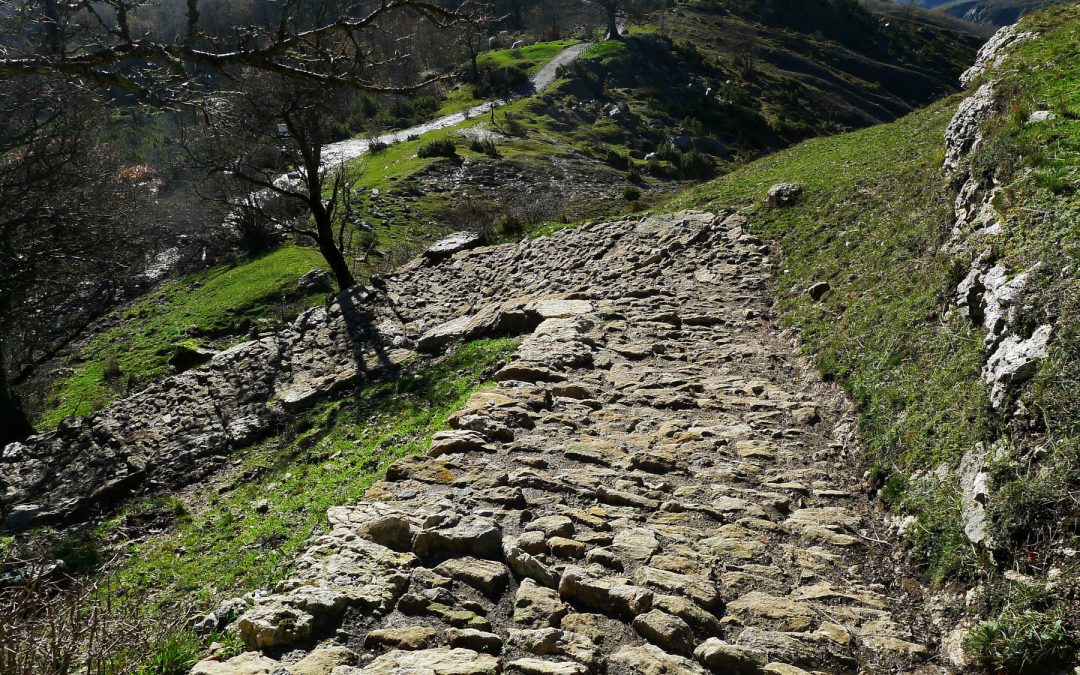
222, 546
531, 59
875, 210
198, 309
875, 213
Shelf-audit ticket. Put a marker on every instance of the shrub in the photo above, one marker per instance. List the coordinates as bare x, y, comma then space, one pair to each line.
377, 147
98, 633
631, 194
1021, 642
696, 165
441, 148
633, 174
513, 126
615, 158
110, 370
484, 146
496, 81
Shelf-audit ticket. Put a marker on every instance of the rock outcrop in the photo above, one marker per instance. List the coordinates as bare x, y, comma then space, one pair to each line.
644, 491
990, 294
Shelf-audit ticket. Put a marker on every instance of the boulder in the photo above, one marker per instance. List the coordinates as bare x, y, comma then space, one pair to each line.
317, 280
248, 663
537, 606
720, 656
476, 640
451, 244
531, 666
783, 194
651, 660
410, 638
486, 576
324, 660
472, 535
665, 630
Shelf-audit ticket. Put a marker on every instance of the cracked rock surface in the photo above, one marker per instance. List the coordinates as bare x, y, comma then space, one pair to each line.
657, 484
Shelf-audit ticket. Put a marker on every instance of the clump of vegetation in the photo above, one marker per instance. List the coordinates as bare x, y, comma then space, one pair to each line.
484, 146
53, 623
1029, 635
513, 126
443, 147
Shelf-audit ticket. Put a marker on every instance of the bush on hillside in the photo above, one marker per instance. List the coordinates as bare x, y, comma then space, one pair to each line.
56, 624
484, 146
496, 81
441, 148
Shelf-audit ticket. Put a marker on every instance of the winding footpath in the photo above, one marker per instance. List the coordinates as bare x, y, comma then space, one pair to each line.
657, 485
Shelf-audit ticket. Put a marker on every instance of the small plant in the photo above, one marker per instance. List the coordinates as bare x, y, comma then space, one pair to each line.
377, 147
231, 645
110, 369
440, 148
1021, 642
615, 158
484, 146
513, 126
631, 194
174, 656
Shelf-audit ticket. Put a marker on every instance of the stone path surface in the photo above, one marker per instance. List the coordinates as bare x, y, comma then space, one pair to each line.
657, 485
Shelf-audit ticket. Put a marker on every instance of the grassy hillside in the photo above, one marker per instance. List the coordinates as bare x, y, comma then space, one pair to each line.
220, 304
994, 12
872, 222
178, 555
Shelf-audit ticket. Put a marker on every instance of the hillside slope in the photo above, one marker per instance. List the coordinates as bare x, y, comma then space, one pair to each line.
950, 317
694, 91
993, 12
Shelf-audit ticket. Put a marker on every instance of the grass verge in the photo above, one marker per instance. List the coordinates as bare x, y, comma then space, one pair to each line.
197, 310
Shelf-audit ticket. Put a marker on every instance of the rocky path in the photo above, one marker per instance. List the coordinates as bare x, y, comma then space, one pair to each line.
656, 485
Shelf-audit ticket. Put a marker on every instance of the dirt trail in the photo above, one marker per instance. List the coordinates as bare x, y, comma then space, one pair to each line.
657, 484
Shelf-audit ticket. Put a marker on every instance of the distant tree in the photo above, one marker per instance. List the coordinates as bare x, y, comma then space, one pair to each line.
552, 18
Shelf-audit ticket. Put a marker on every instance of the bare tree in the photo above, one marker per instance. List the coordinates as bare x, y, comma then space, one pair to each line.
323, 41
248, 137
56, 210
68, 236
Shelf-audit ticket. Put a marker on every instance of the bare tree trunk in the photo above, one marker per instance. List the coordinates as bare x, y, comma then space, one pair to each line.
611, 8
324, 226
321, 213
